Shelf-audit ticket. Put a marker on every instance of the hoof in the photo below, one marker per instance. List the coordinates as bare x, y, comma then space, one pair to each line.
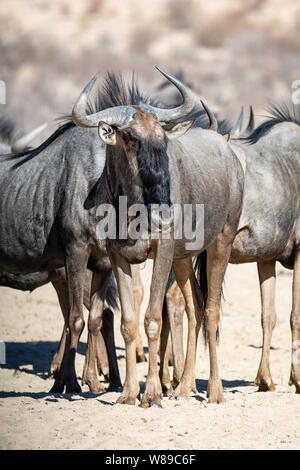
215, 392
155, 405
180, 399
73, 387
93, 383
265, 385
53, 372
295, 382
97, 388
216, 399
182, 391
57, 388
167, 389
126, 400
128, 397
149, 400
106, 378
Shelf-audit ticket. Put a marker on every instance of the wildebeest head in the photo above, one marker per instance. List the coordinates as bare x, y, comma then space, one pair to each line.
141, 132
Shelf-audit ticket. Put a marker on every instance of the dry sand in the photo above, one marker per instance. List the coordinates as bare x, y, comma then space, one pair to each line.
31, 418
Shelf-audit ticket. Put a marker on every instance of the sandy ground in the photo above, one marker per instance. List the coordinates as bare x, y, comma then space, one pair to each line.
31, 418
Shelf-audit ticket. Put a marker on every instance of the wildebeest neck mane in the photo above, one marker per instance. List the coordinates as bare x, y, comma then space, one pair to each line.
279, 113
116, 92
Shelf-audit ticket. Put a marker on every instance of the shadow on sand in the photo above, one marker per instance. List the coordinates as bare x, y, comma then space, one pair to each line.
37, 354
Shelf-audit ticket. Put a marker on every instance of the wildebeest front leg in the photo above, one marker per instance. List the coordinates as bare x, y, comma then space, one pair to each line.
76, 263
153, 319
267, 281
98, 293
186, 280
129, 325
295, 326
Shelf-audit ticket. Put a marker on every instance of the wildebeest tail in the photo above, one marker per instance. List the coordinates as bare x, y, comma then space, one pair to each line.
200, 267
201, 274
112, 295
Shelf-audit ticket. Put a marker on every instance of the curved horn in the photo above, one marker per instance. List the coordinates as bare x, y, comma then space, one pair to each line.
118, 115
251, 123
23, 142
213, 123
236, 130
167, 115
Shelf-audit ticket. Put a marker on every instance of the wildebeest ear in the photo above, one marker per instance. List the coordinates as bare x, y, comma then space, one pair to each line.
177, 130
107, 133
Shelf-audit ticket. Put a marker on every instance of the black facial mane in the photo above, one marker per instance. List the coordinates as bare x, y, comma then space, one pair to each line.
153, 164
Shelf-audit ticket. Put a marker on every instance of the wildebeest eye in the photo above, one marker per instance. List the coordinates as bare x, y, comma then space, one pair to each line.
125, 139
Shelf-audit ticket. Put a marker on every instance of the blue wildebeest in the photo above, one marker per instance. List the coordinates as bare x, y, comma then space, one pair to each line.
48, 201
146, 166
173, 307
269, 227
9, 142
48, 215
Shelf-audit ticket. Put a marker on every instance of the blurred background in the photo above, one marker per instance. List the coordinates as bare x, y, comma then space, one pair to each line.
231, 52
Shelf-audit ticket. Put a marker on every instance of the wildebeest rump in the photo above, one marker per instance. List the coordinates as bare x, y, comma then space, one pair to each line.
269, 228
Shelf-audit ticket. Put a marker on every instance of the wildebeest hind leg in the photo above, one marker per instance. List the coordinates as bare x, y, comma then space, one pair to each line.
138, 295
129, 326
98, 294
267, 280
176, 306
217, 260
185, 278
76, 263
164, 359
